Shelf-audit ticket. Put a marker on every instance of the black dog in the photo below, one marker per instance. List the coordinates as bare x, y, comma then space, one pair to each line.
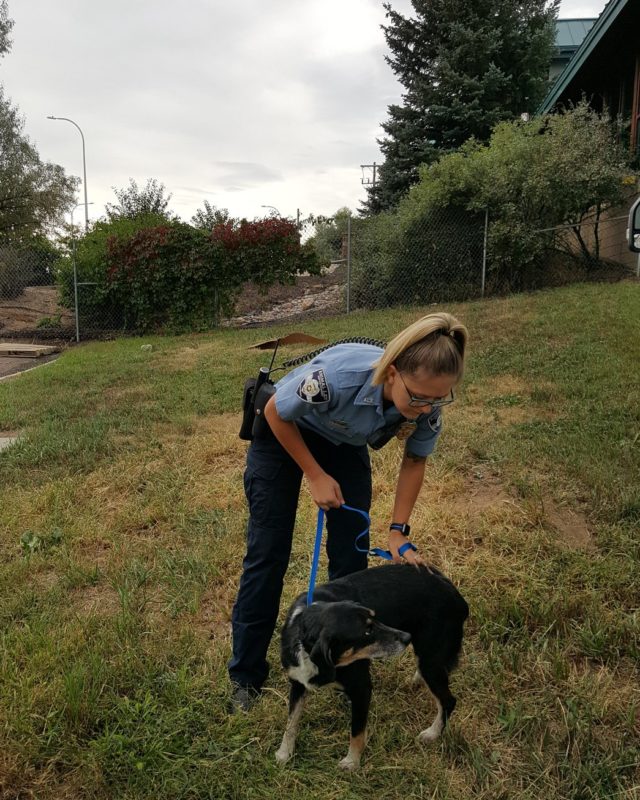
372, 614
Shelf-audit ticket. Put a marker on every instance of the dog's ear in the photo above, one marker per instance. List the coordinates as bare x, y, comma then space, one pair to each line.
316, 641
321, 650
321, 656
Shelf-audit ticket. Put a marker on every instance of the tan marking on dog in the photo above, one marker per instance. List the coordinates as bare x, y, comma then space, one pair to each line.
288, 744
351, 655
356, 746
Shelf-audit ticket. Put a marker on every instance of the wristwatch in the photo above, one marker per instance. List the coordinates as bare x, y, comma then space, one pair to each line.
405, 530
403, 527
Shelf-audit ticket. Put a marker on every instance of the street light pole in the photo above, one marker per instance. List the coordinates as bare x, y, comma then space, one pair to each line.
274, 208
84, 170
75, 270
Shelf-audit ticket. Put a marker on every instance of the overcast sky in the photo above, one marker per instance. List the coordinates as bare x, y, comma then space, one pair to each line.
244, 104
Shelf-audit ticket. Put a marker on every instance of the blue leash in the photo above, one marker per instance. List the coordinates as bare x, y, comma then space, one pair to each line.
374, 551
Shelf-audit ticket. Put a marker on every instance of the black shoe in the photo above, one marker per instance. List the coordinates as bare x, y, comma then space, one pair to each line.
242, 698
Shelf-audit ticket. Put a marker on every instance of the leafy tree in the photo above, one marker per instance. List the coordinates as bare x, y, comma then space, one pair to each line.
5, 28
466, 65
135, 201
556, 170
33, 194
206, 218
148, 272
328, 235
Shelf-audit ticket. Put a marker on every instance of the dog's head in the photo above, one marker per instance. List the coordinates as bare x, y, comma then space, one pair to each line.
337, 634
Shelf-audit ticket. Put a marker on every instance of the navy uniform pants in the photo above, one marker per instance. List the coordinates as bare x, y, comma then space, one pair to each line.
272, 485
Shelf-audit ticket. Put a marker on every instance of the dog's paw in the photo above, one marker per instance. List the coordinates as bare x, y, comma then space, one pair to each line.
429, 735
349, 764
283, 754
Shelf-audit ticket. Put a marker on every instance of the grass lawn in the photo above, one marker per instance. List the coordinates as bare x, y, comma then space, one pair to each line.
121, 538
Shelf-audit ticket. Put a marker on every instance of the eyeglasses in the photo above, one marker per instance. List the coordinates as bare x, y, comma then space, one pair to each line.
419, 402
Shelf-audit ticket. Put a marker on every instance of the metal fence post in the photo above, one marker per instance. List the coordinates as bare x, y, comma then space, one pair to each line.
349, 263
484, 251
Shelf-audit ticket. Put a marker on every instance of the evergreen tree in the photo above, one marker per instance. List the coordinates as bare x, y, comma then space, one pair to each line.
466, 65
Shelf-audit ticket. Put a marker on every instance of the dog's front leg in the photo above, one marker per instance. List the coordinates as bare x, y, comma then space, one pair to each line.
357, 685
296, 703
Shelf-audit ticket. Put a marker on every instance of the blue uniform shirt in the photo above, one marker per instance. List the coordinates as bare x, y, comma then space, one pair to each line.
333, 396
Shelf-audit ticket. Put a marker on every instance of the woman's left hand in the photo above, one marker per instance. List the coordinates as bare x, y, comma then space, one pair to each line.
396, 540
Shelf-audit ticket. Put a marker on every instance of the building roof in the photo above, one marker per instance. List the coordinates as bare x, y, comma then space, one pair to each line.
595, 34
570, 33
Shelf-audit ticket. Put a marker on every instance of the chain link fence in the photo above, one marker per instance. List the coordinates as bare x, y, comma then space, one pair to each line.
439, 258
29, 298
42, 299
378, 263
455, 255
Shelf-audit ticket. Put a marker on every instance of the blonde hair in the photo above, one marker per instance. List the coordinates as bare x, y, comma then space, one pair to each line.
435, 343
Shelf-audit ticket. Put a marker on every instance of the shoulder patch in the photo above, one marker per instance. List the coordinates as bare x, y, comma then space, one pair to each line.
313, 388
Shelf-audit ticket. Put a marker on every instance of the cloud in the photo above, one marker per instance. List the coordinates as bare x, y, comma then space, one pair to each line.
246, 103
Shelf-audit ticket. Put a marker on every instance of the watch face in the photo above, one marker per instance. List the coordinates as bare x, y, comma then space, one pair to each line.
406, 429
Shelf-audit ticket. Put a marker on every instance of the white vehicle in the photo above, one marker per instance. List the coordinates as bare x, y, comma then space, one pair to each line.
633, 231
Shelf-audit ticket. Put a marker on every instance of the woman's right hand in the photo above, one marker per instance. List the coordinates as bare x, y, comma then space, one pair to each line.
325, 491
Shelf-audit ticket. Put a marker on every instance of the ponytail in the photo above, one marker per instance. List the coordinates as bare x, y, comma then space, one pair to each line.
435, 343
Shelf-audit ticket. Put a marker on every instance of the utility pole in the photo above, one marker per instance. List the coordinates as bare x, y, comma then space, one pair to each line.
366, 180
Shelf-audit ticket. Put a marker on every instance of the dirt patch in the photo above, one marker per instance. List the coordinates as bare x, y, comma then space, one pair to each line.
508, 400
94, 553
23, 313
480, 493
45, 581
185, 359
101, 600
571, 526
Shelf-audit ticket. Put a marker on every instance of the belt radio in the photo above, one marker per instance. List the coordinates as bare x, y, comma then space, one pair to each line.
258, 391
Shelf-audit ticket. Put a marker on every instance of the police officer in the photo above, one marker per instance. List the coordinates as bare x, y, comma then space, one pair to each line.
321, 418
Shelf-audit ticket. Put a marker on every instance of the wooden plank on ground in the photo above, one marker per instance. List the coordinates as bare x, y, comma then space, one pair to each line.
19, 350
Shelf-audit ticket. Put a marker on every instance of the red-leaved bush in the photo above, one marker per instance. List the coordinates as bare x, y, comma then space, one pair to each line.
266, 251
174, 276
171, 276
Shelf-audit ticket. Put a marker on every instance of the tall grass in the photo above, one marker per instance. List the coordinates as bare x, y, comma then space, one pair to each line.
121, 536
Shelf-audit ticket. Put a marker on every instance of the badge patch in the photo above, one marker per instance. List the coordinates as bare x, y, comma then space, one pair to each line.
435, 423
313, 388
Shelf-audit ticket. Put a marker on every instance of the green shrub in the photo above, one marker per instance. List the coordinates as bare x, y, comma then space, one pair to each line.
558, 170
434, 257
